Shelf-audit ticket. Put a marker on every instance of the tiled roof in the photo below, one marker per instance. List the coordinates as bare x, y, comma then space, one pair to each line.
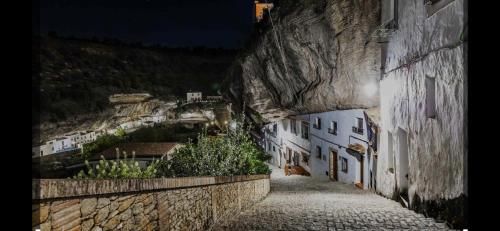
156, 150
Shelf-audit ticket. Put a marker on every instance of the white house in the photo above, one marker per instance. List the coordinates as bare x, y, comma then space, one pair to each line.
214, 98
59, 145
287, 141
194, 96
340, 147
331, 145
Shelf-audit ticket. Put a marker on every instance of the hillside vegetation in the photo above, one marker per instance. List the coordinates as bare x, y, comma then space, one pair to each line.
77, 76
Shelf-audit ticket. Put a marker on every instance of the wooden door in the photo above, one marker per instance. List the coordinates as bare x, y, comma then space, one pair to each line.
333, 165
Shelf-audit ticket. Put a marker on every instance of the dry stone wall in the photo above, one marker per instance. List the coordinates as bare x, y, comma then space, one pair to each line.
190, 203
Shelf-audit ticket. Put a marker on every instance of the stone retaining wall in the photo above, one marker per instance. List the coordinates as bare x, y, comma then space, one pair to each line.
188, 203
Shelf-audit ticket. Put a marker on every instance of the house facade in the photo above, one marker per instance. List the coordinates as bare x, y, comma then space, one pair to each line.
423, 105
193, 96
334, 145
288, 142
340, 147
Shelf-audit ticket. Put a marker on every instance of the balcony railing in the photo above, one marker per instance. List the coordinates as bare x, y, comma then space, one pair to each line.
332, 131
357, 130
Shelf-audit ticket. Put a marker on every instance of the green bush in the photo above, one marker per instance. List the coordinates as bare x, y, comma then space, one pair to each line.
233, 154
100, 144
119, 169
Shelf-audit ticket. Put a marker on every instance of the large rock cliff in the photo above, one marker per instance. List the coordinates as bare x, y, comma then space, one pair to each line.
311, 56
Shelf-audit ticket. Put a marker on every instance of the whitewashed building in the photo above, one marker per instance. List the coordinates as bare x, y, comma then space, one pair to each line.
287, 141
214, 98
423, 105
193, 96
340, 147
335, 145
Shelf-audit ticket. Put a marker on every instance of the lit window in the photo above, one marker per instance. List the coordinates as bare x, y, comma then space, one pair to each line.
317, 123
358, 126
333, 128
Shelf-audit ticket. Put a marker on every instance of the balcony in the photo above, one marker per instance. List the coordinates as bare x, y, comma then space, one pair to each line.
357, 130
332, 131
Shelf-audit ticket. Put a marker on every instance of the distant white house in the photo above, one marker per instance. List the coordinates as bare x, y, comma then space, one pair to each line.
214, 98
59, 144
194, 96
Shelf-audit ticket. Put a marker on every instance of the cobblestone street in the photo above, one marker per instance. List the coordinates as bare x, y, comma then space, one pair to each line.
298, 203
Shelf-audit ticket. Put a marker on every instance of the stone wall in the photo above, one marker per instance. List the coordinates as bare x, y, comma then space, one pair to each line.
188, 203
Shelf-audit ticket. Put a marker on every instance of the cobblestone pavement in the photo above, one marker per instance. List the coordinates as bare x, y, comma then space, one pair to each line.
298, 203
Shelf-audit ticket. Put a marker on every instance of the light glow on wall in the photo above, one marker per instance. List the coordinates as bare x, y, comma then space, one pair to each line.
370, 89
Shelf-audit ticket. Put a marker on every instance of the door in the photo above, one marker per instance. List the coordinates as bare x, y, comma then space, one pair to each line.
281, 157
361, 170
333, 165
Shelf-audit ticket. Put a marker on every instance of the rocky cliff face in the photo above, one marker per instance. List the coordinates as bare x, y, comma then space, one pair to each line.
318, 57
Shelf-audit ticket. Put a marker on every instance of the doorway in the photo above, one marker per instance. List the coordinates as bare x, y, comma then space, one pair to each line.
403, 159
333, 165
280, 158
361, 170
289, 155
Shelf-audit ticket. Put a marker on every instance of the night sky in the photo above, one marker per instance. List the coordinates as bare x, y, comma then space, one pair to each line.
209, 23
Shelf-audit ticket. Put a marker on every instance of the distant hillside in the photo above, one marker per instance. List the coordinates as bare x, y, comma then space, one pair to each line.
78, 76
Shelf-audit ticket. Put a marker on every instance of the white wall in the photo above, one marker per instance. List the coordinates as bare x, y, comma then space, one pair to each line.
321, 137
285, 138
193, 96
424, 47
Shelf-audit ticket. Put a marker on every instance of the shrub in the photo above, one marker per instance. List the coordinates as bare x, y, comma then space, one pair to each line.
100, 144
233, 154
119, 169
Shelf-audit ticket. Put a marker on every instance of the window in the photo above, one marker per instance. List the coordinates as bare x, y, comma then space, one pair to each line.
433, 6
430, 97
305, 130
305, 158
317, 123
333, 128
274, 149
293, 126
389, 15
358, 126
324, 157
275, 130
269, 145
41, 153
318, 152
344, 164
